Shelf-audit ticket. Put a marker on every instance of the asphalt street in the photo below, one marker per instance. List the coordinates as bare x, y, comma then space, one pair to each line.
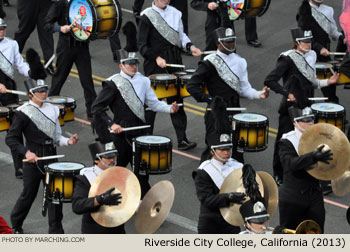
274, 33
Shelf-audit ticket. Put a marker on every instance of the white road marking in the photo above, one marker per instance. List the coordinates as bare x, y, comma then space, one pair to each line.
7, 158
182, 222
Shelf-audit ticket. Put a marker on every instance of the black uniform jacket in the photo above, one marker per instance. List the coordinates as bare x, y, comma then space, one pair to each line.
307, 22
294, 82
111, 97
35, 139
210, 219
206, 74
7, 98
296, 180
151, 44
81, 204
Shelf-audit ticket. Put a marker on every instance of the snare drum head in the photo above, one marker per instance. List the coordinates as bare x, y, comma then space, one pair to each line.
322, 65
65, 166
162, 77
250, 117
186, 77
153, 140
4, 110
81, 16
190, 71
57, 99
327, 107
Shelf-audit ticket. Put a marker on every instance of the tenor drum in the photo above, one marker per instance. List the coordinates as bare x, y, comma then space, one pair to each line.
164, 85
183, 80
69, 105
94, 19
323, 70
247, 8
153, 154
60, 180
251, 132
4, 119
329, 113
13, 107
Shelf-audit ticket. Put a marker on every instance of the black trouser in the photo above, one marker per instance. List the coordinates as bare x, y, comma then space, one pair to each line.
114, 42
178, 119
284, 126
250, 28
67, 54
32, 177
31, 14
295, 207
125, 156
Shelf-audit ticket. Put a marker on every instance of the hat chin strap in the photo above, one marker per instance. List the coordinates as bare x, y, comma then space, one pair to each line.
304, 49
129, 72
229, 50
224, 160
106, 165
256, 231
299, 127
36, 97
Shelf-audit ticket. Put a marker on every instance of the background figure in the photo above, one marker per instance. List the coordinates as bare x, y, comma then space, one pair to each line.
2, 12
31, 14
217, 16
114, 43
319, 18
69, 51
181, 5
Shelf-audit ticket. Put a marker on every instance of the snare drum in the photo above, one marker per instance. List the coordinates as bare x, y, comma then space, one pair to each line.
323, 70
164, 85
94, 19
248, 8
61, 114
329, 113
69, 106
153, 154
60, 180
183, 85
13, 107
4, 119
251, 132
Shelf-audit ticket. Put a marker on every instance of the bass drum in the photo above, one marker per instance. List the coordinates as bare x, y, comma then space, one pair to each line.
248, 8
94, 19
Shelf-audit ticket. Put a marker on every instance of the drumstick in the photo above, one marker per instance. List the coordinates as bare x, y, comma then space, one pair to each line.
179, 104
318, 98
233, 109
69, 134
208, 52
337, 53
50, 60
133, 128
175, 65
75, 20
16, 92
45, 158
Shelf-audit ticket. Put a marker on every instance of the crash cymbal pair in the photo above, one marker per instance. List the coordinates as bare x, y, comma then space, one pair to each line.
233, 183
153, 210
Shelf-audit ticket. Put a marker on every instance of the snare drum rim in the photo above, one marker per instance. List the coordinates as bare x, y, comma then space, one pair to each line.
247, 123
4, 113
57, 171
153, 145
171, 80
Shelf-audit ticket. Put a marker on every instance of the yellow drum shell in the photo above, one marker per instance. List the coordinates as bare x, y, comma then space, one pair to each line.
4, 119
157, 160
164, 85
62, 184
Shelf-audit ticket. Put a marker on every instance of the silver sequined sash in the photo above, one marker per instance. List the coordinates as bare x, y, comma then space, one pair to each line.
6, 66
302, 65
321, 19
129, 95
162, 27
44, 124
224, 71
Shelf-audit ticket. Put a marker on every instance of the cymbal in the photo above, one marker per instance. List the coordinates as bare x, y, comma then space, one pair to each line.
341, 185
270, 192
126, 183
155, 207
308, 227
333, 138
233, 183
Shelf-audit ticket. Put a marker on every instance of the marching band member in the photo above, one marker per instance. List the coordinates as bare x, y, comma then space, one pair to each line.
319, 18
126, 94
38, 122
210, 175
300, 195
69, 51
9, 59
104, 157
160, 41
225, 74
4, 227
297, 69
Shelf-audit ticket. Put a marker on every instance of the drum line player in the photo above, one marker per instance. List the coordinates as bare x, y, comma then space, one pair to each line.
153, 154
